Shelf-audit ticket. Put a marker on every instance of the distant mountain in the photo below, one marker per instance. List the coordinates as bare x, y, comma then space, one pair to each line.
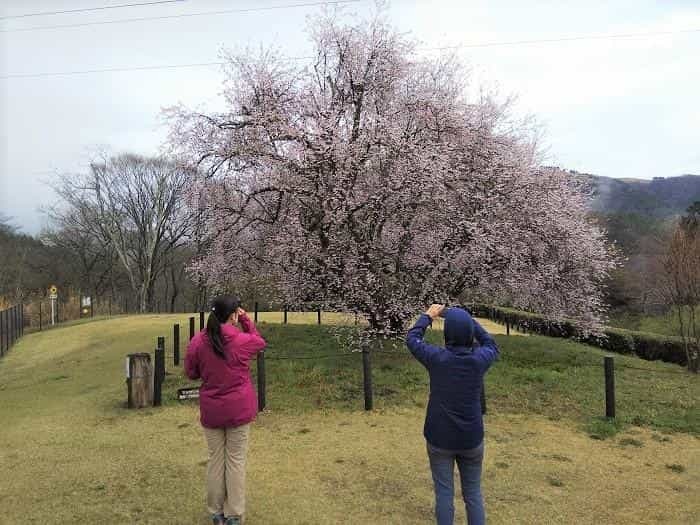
661, 197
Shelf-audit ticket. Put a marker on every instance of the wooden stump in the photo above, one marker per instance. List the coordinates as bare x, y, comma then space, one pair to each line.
139, 380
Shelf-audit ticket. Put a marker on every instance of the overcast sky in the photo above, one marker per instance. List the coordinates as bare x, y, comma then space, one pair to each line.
622, 107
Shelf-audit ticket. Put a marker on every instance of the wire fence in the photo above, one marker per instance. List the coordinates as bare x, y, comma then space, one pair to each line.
606, 366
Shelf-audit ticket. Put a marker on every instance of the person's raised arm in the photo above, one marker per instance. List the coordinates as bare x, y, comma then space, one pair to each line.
251, 341
415, 342
488, 349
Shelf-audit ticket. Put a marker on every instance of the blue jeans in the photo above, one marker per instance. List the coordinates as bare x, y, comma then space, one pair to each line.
442, 465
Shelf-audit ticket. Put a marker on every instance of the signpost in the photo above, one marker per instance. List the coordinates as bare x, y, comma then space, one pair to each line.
187, 393
86, 306
53, 295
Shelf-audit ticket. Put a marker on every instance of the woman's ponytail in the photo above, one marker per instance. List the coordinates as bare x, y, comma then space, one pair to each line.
221, 309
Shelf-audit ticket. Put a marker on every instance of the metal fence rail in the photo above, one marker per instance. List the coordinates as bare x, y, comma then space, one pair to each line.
11, 327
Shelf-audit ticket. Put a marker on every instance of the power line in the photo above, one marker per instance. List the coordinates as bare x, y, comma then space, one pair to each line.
185, 15
111, 70
91, 9
123, 69
475, 45
570, 39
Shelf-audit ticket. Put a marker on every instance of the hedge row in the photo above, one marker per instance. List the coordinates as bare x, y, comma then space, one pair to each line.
642, 344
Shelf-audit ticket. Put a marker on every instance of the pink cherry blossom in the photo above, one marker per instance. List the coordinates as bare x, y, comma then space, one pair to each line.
368, 181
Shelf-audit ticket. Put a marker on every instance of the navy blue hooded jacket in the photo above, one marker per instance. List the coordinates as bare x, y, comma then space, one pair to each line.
453, 420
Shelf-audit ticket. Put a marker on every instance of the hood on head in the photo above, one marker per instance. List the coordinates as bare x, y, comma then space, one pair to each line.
459, 327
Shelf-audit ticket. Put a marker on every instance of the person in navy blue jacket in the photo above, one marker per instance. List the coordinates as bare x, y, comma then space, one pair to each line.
454, 428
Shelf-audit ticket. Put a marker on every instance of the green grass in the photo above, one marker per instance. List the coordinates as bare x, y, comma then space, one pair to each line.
656, 324
551, 377
71, 452
603, 428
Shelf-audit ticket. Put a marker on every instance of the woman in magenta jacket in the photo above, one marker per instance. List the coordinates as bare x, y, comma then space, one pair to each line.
220, 356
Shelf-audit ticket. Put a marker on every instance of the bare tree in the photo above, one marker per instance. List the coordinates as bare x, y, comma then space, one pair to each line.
135, 206
73, 231
682, 282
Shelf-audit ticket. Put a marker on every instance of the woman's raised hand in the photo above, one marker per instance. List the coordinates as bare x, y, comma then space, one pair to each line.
435, 310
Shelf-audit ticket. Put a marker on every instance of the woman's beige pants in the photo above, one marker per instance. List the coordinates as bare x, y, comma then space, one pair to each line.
226, 469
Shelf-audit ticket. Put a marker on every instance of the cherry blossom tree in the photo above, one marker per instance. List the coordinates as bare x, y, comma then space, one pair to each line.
370, 181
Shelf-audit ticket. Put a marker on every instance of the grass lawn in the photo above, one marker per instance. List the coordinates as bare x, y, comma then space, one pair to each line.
71, 453
667, 324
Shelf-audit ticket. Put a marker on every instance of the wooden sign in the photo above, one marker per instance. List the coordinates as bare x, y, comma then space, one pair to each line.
187, 393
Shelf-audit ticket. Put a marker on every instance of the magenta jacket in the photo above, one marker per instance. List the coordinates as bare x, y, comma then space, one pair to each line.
226, 397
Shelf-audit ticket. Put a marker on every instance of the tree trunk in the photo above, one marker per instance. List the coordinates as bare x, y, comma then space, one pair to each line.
176, 289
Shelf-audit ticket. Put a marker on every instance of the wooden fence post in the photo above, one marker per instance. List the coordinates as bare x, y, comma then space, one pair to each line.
367, 378
191, 328
201, 321
139, 380
609, 386
40, 327
256, 312
21, 317
159, 372
262, 398
318, 314
507, 326
285, 314
176, 344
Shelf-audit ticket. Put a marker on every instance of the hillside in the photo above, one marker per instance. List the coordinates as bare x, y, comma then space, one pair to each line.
659, 198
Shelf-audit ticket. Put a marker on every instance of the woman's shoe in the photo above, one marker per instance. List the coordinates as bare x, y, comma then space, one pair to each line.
218, 519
